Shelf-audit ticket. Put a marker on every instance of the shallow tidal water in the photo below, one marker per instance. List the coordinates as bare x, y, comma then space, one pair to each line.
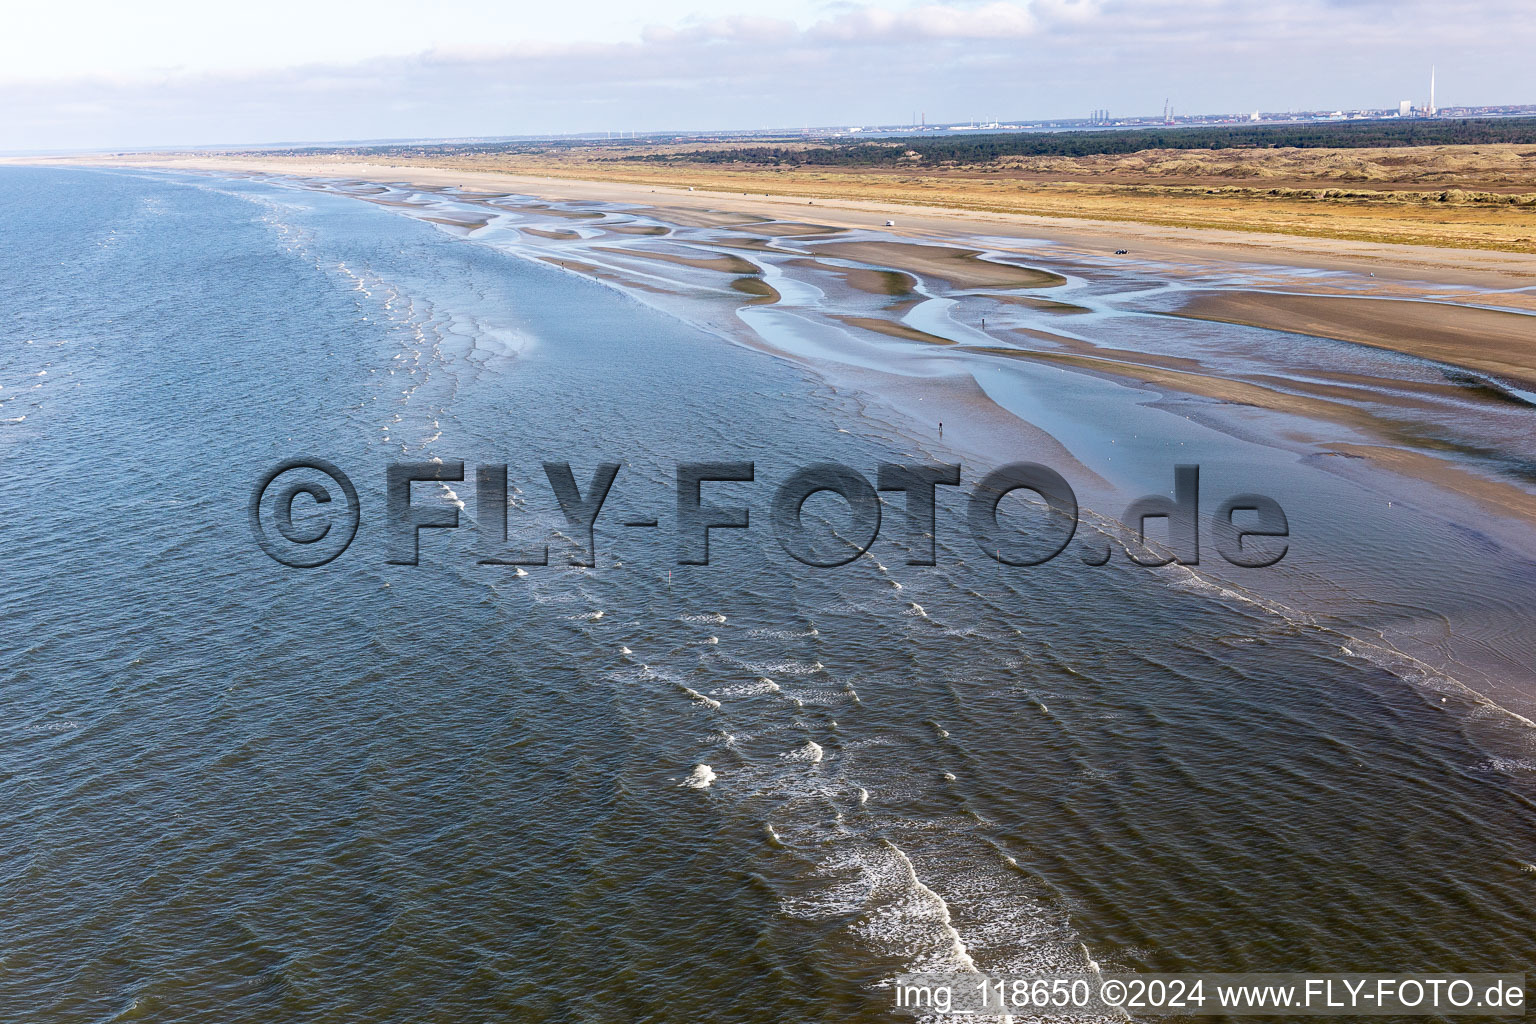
233, 791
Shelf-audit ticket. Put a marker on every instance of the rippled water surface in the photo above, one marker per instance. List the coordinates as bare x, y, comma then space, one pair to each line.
231, 791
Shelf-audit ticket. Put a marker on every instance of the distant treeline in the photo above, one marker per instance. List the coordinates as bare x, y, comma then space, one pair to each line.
428, 150
980, 149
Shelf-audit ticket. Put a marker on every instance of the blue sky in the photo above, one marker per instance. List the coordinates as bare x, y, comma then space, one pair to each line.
175, 72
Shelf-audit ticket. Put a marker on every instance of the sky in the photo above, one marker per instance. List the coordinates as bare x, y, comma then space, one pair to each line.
109, 75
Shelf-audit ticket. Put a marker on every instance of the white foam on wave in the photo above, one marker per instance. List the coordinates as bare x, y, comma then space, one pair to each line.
811, 751
1507, 765
782, 634
899, 914
701, 777
712, 617
962, 956
747, 689
1420, 675
783, 667
695, 695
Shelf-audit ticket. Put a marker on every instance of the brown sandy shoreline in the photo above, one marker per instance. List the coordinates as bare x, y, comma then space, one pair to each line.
1486, 269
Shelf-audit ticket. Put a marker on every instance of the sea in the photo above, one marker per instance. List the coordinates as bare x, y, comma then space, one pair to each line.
235, 790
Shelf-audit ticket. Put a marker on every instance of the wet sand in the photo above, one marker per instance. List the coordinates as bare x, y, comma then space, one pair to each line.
1494, 341
555, 211
787, 229
720, 264
555, 235
892, 329
1494, 496
961, 268
468, 223
893, 283
760, 291
1044, 305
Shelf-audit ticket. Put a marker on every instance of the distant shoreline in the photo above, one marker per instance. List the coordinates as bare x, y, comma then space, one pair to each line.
1484, 268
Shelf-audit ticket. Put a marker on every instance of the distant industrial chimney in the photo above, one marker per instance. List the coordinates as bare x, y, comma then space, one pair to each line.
1432, 108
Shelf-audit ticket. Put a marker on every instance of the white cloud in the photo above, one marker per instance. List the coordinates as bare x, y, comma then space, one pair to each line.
933, 21
848, 64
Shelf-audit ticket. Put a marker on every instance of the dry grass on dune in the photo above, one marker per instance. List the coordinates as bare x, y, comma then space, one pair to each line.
1470, 168
1474, 197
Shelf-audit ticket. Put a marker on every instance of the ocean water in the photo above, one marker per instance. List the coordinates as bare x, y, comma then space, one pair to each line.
750, 791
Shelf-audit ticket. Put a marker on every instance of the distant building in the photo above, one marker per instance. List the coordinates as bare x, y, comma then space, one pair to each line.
1404, 108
